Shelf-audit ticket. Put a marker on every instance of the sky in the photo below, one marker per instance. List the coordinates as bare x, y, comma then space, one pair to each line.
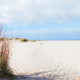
41, 19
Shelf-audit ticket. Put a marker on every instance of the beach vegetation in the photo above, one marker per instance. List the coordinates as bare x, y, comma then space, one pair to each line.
16, 38
1, 39
33, 40
5, 46
10, 39
23, 40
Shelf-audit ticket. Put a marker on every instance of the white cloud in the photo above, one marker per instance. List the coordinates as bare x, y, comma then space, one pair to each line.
69, 31
39, 11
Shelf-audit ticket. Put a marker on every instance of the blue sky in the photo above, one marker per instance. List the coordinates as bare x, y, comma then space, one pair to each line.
42, 19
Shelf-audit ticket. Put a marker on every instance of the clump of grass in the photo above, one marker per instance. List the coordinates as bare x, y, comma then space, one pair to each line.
23, 40
33, 40
10, 39
16, 38
1, 39
5, 70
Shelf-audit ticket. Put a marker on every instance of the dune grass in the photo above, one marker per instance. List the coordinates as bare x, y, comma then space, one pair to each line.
33, 40
5, 71
23, 40
16, 38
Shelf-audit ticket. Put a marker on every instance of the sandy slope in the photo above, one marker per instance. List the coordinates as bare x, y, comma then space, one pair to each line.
33, 57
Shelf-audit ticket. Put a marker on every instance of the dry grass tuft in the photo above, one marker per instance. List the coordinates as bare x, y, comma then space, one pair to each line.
5, 45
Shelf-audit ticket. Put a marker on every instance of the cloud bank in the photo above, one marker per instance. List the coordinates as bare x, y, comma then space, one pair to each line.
49, 34
39, 11
54, 32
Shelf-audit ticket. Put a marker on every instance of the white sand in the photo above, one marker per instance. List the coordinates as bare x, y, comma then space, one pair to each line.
30, 57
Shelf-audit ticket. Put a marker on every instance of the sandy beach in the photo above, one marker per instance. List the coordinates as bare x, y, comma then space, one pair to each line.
31, 57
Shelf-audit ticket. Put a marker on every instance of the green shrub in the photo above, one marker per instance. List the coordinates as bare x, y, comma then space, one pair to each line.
5, 71
23, 40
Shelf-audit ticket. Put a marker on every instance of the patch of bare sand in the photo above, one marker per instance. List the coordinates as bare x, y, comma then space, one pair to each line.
52, 56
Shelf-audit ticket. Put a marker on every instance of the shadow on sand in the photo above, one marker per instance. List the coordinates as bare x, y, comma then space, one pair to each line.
45, 75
